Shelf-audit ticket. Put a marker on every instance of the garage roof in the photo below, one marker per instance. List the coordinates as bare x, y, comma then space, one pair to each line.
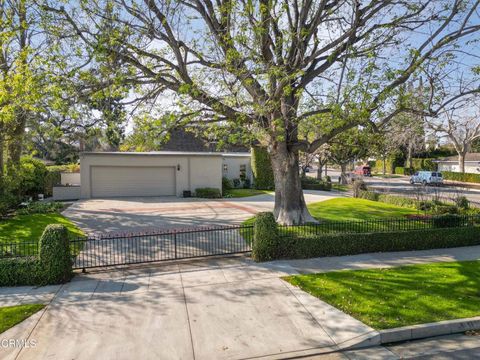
153, 153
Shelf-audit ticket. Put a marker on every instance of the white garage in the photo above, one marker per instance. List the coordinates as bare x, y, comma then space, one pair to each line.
112, 181
123, 174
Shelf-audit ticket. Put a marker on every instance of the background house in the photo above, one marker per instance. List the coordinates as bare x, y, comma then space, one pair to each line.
472, 163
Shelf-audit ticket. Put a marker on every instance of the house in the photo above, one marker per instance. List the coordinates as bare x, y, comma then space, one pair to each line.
472, 163
160, 173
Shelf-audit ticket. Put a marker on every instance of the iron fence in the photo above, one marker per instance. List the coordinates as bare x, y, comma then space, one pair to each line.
123, 249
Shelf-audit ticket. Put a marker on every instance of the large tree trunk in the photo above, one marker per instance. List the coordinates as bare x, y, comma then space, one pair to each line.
343, 174
319, 171
410, 156
15, 145
290, 207
461, 162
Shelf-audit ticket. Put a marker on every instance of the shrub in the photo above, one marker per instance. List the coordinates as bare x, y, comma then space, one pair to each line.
424, 164
400, 170
462, 202
426, 205
37, 207
445, 209
208, 193
262, 169
328, 179
20, 271
226, 184
447, 220
351, 244
357, 187
236, 183
397, 200
368, 195
309, 183
266, 238
54, 255
465, 177
8, 202
28, 179
247, 183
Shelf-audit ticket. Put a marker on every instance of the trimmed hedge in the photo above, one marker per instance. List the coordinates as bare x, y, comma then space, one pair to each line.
52, 266
262, 169
309, 183
351, 244
266, 238
463, 177
423, 164
208, 193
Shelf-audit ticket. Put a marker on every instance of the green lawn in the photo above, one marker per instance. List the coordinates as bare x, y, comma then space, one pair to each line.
239, 193
408, 295
29, 228
340, 187
12, 315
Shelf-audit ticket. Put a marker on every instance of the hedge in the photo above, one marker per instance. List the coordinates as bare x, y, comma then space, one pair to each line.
464, 177
351, 244
397, 200
266, 238
309, 183
423, 164
262, 169
52, 266
208, 193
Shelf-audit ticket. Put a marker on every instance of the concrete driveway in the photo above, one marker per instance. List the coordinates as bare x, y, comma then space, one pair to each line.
220, 309
134, 214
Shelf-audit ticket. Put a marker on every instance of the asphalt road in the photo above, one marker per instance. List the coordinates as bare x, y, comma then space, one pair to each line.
402, 186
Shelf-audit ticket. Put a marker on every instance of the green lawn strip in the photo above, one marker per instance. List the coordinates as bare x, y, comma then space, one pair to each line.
29, 228
340, 187
331, 212
12, 315
239, 193
395, 297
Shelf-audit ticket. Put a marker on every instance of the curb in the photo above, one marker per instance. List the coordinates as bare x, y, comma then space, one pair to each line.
422, 331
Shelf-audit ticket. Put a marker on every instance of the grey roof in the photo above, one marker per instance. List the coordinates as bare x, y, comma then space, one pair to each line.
469, 157
152, 153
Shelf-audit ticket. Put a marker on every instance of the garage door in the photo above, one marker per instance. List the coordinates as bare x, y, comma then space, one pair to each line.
113, 181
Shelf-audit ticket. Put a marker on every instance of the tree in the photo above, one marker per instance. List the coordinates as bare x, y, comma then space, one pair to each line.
268, 66
460, 124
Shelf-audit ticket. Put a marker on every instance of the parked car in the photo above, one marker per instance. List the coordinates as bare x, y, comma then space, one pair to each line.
363, 170
427, 178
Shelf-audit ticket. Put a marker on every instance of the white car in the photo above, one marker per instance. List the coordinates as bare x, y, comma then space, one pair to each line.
427, 178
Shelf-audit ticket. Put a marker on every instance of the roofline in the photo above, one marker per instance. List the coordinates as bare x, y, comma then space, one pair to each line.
150, 153
242, 154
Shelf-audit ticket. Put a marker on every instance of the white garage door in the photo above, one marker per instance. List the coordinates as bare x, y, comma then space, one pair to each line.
113, 181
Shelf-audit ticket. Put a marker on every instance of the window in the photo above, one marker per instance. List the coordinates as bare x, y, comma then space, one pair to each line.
243, 171
225, 168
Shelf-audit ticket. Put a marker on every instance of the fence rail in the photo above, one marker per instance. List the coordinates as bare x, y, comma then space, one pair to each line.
123, 249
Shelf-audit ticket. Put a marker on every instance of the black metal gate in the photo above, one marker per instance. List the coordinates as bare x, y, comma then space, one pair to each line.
124, 249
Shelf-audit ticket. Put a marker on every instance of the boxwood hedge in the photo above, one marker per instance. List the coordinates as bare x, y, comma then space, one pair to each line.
262, 169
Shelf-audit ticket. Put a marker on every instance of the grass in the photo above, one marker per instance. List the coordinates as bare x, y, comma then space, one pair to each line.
340, 187
408, 295
29, 228
12, 315
239, 193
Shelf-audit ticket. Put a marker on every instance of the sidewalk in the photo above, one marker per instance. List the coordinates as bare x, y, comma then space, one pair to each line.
220, 308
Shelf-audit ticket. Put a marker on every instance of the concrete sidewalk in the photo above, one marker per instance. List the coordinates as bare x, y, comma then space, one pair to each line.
224, 308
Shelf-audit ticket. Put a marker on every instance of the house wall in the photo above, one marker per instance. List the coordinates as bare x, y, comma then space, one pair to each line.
233, 163
191, 171
70, 178
470, 167
61, 193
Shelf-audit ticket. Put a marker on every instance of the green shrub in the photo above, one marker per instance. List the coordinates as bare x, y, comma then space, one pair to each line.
351, 244
309, 183
426, 205
368, 195
441, 209
447, 220
266, 238
426, 164
400, 170
465, 177
208, 193
397, 200
226, 184
54, 255
38, 207
247, 183
262, 169
28, 179
20, 271
236, 183
357, 187
462, 202
8, 202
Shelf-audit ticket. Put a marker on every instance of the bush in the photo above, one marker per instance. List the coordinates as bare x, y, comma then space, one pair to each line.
400, 170
426, 205
54, 255
309, 183
368, 195
398, 200
20, 271
247, 183
424, 164
208, 193
226, 184
462, 202
28, 179
351, 244
37, 207
441, 209
266, 238
262, 169
236, 183
465, 177
357, 187
8, 202
447, 220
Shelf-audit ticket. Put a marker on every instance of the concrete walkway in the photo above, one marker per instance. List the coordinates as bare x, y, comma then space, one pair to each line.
229, 308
